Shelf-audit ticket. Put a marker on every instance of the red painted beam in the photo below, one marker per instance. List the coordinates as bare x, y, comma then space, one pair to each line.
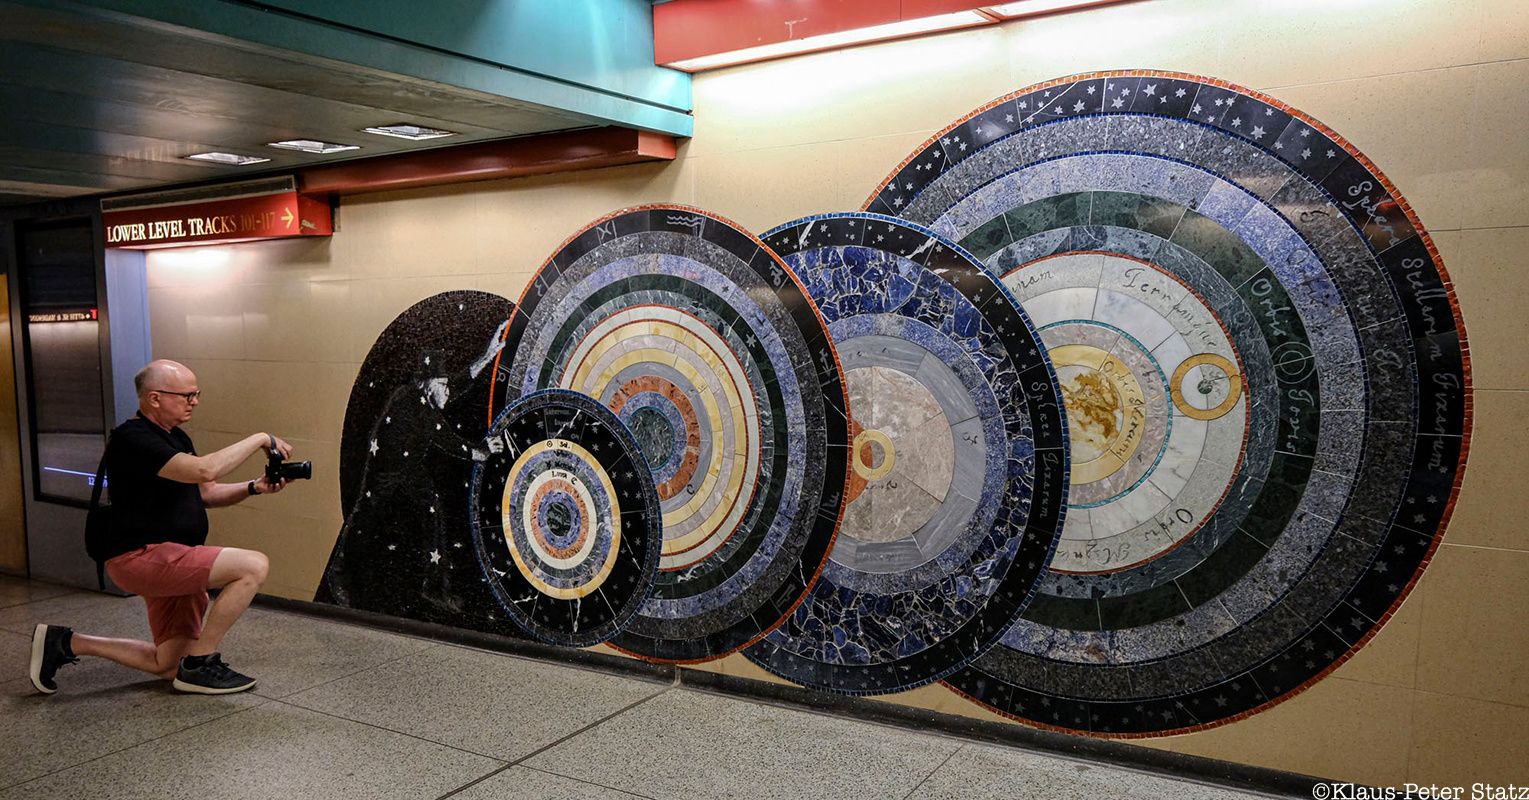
482, 161
684, 29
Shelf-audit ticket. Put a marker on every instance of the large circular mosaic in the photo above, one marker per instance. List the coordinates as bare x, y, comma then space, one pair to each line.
1265, 374
701, 341
565, 518
958, 464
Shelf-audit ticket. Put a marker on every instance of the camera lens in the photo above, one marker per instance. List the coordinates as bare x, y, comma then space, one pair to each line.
297, 470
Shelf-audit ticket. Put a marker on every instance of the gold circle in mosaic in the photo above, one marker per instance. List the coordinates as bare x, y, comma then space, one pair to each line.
1227, 385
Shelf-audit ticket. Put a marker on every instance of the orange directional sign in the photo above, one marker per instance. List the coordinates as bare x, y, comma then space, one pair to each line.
240, 219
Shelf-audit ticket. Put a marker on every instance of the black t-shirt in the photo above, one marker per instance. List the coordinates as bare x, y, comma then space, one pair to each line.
148, 509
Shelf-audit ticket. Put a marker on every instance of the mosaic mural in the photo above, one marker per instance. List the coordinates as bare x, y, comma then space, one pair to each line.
1266, 380
566, 521
1131, 404
707, 347
958, 459
412, 429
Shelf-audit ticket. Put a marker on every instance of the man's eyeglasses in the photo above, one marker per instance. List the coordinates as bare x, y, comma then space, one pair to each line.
189, 396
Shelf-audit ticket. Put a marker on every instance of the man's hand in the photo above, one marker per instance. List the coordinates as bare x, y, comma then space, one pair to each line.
281, 446
264, 486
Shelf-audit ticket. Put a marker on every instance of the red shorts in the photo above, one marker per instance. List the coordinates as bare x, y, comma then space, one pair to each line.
172, 580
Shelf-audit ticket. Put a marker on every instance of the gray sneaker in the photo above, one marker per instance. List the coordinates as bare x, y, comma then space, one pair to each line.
50, 650
209, 675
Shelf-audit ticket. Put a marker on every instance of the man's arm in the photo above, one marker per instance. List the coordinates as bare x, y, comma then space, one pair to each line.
220, 495
187, 468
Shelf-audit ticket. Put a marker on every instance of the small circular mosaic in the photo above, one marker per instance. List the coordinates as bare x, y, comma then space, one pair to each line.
565, 518
1265, 374
958, 465
705, 346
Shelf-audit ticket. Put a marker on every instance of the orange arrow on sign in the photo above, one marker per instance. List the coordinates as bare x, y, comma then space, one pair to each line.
286, 216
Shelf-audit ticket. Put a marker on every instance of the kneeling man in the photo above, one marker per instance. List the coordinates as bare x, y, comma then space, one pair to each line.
160, 491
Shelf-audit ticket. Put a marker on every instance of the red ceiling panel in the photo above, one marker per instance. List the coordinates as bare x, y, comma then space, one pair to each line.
685, 29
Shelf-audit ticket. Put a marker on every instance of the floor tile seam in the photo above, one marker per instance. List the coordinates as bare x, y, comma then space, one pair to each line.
35, 600
218, 718
83, 599
475, 781
347, 675
587, 781
591, 726
375, 726
520, 760
914, 791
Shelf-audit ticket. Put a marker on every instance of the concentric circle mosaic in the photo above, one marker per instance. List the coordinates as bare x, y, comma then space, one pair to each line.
700, 340
1153, 390
566, 520
1265, 376
958, 460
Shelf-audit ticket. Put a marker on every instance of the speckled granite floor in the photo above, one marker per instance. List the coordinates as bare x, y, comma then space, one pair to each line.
345, 711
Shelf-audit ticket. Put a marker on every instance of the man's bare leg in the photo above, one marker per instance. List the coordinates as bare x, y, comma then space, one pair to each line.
161, 661
239, 573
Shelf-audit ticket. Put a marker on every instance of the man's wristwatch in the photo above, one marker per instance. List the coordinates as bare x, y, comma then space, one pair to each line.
251, 488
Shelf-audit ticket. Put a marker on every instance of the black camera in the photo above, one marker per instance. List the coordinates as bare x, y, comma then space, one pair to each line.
278, 470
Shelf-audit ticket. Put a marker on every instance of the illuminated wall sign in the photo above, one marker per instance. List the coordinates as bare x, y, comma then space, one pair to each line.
87, 315
276, 215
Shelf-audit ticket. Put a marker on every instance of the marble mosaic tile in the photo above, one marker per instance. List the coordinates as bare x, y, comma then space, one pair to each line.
1318, 350
701, 341
943, 537
565, 518
413, 427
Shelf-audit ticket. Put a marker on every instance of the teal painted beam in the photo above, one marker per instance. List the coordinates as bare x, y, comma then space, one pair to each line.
606, 44
604, 48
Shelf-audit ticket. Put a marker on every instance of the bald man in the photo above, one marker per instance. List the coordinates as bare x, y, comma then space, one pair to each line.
160, 492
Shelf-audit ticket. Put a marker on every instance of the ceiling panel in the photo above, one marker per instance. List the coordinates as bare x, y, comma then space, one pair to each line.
98, 100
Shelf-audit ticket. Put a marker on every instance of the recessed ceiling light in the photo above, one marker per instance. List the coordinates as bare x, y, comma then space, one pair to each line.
313, 146
412, 132
232, 159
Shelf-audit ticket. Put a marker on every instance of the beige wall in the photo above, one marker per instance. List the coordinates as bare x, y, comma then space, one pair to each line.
1436, 92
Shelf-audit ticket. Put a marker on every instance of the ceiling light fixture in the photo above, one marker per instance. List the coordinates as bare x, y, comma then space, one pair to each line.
313, 146
875, 33
229, 159
403, 130
1031, 8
